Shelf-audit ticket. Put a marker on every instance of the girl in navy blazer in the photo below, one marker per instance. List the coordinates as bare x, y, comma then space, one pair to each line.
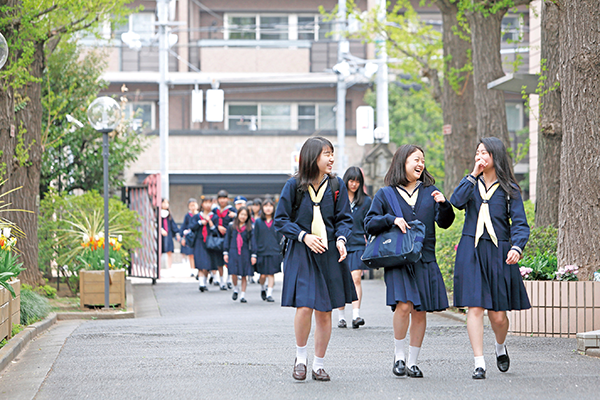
360, 203
187, 249
314, 279
266, 248
486, 273
223, 214
236, 251
414, 289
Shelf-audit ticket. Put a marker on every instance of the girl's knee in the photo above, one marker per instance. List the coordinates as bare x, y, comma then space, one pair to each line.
403, 309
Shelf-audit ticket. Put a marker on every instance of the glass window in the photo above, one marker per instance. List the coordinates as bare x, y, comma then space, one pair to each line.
510, 28
306, 118
140, 114
326, 117
514, 116
275, 116
306, 28
143, 25
242, 28
325, 29
274, 28
242, 117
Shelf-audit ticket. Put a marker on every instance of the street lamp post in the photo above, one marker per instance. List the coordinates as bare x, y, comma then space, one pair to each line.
104, 114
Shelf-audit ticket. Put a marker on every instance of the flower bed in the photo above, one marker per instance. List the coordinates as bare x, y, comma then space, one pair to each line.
10, 309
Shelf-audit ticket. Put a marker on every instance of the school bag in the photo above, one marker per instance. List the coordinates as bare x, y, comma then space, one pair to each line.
393, 248
335, 191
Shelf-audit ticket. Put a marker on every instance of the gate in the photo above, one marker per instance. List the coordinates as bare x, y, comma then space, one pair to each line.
143, 199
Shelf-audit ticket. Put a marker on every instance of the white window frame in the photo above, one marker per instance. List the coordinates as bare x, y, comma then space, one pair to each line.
294, 121
519, 107
257, 17
516, 31
152, 104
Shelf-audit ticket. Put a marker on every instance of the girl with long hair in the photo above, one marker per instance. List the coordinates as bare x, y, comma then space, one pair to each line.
168, 231
236, 251
187, 249
203, 226
266, 249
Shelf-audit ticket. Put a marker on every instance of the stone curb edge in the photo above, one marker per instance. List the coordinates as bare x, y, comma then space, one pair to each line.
14, 346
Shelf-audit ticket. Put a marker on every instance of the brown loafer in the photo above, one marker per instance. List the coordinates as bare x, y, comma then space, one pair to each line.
320, 375
299, 371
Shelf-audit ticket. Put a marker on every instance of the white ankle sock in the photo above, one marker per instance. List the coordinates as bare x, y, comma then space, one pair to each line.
480, 362
222, 281
413, 354
269, 292
342, 315
355, 313
318, 363
262, 287
301, 355
202, 280
235, 289
243, 295
399, 349
500, 349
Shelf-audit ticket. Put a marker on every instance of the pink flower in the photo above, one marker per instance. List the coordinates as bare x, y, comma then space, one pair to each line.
455, 247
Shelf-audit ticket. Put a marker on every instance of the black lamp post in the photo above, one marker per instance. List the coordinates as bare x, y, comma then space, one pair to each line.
104, 115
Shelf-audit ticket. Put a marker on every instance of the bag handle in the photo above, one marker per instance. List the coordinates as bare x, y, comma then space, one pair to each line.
388, 191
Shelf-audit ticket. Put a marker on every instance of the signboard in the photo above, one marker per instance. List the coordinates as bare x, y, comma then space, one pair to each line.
447, 129
215, 104
197, 106
365, 123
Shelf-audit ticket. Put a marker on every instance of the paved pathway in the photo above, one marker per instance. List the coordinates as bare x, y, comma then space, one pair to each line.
206, 346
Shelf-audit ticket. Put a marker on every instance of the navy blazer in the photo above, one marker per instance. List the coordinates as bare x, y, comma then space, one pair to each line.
356, 241
381, 217
265, 240
466, 197
337, 217
197, 228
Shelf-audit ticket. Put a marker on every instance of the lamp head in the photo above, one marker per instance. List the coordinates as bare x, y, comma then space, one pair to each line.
3, 51
104, 114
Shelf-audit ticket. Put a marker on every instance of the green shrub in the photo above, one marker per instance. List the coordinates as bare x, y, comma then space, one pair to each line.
541, 241
543, 266
445, 248
47, 291
34, 307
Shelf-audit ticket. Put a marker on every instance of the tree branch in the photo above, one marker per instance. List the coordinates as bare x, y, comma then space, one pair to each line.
17, 22
65, 28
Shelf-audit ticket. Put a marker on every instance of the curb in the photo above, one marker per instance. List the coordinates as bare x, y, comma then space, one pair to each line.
14, 346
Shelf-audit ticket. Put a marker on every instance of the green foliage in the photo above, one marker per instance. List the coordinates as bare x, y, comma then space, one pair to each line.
16, 328
9, 269
34, 307
445, 248
543, 266
46, 291
542, 240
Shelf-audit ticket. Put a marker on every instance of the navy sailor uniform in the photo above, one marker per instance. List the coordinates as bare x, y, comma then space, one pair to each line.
481, 276
167, 241
221, 218
188, 249
265, 244
356, 242
316, 281
239, 261
420, 283
204, 259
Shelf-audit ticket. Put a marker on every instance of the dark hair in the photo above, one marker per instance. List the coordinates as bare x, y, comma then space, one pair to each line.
257, 200
170, 217
308, 170
396, 175
356, 174
236, 221
504, 173
262, 211
222, 193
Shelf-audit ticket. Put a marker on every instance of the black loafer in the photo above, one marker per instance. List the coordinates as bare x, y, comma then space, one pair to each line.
503, 361
270, 299
229, 285
223, 287
243, 300
414, 372
342, 324
210, 280
234, 296
358, 322
479, 373
263, 294
203, 289
399, 368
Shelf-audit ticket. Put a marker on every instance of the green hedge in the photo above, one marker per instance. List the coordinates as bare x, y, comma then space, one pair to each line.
34, 307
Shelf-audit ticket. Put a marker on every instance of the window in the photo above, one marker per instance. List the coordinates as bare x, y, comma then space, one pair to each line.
307, 117
514, 116
281, 116
277, 27
140, 23
511, 28
306, 28
326, 117
274, 28
242, 28
275, 116
141, 114
242, 117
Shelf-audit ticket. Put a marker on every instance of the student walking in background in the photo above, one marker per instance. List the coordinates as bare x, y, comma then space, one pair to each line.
360, 203
203, 226
168, 231
236, 251
412, 290
486, 273
187, 249
267, 249
222, 216
315, 281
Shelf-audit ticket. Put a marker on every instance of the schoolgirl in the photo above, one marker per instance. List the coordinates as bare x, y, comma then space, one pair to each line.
314, 278
360, 203
267, 250
168, 231
486, 273
412, 290
236, 251
187, 248
256, 207
222, 216
203, 226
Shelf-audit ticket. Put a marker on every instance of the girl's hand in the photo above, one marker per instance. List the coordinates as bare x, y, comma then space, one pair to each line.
210, 223
222, 230
183, 242
232, 214
185, 232
341, 246
513, 257
438, 197
314, 243
253, 260
402, 224
479, 167
163, 232
226, 258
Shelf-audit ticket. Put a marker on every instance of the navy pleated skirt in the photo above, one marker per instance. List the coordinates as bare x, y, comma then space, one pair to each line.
186, 250
354, 262
240, 264
431, 287
268, 265
483, 279
204, 259
167, 244
316, 281
401, 286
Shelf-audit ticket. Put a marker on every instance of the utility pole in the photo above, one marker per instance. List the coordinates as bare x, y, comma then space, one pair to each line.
162, 7
340, 114
383, 116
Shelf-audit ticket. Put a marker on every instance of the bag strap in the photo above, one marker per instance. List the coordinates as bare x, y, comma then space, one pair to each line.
392, 199
335, 191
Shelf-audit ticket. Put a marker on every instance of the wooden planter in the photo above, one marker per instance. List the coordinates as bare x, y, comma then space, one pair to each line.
10, 309
91, 288
560, 309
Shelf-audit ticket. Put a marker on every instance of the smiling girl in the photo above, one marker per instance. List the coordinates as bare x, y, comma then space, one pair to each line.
314, 280
266, 248
414, 289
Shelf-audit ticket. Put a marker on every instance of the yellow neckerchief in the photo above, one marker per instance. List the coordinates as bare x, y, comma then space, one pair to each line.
318, 226
484, 219
411, 199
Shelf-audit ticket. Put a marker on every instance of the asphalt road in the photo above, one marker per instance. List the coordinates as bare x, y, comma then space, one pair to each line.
206, 346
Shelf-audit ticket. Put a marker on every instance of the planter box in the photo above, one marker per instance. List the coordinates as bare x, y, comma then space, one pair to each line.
559, 309
91, 288
10, 309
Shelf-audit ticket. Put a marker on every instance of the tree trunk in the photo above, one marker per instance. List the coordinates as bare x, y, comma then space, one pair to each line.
458, 107
487, 66
550, 137
579, 205
23, 170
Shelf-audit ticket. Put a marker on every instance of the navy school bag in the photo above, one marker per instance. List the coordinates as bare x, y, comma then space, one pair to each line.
393, 248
